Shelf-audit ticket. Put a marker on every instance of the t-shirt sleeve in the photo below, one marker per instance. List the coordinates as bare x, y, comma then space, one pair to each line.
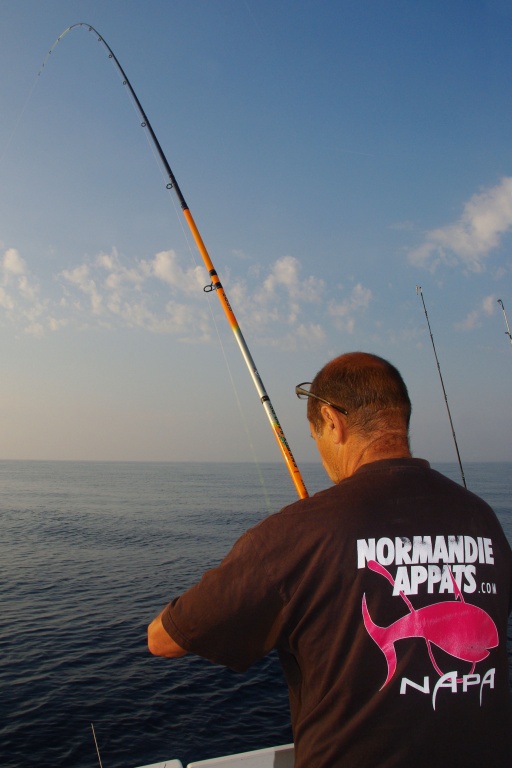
232, 616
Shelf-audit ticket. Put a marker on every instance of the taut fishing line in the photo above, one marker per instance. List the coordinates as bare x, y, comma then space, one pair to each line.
17, 122
420, 292
194, 260
215, 284
22, 112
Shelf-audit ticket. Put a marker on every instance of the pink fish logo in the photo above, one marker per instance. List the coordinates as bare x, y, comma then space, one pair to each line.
462, 630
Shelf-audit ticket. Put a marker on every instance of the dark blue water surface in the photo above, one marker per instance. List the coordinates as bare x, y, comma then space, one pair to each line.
89, 554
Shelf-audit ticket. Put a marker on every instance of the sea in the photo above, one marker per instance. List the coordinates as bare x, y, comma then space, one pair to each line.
90, 552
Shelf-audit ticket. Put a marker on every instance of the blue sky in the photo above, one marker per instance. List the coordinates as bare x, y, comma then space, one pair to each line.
334, 155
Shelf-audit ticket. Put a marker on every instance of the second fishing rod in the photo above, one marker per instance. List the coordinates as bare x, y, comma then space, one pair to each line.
419, 292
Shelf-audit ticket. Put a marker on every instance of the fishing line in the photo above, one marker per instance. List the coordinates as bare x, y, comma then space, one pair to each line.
420, 292
507, 332
96, 745
18, 120
243, 418
241, 411
215, 284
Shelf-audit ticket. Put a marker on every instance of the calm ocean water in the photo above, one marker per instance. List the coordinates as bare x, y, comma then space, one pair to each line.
89, 553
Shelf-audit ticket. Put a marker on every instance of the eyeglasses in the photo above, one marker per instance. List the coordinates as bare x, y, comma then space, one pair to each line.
303, 394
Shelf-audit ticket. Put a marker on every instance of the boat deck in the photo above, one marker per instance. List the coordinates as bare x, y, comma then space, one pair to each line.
273, 757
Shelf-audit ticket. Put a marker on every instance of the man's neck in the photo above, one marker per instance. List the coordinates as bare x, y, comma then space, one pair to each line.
389, 445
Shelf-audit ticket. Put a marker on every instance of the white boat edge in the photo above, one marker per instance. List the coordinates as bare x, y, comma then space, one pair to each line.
271, 757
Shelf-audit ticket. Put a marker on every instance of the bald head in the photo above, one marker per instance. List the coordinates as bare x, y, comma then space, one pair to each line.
368, 387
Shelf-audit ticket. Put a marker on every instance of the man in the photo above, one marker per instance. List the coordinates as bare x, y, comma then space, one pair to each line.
386, 595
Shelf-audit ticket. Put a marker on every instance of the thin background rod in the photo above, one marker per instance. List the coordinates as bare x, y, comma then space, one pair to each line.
420, 292
215, 282
507, 332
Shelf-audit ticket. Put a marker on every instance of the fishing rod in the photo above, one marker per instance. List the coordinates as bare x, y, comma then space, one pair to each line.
215, 284
507, 332
420, 292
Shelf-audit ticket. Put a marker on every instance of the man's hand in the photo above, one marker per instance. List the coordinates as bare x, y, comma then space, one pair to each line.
160, 643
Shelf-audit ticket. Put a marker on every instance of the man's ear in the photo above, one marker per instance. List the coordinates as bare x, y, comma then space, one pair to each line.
333, 424
331, 419
327, 416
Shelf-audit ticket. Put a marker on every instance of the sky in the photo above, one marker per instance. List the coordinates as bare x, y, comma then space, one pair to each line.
335, 155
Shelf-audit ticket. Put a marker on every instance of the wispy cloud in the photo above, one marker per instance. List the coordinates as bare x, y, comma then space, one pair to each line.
277, 307
474, 318
278, 304
80, 278
20, 294
486, 217
344, 313
132, 296
289, 309
166, 267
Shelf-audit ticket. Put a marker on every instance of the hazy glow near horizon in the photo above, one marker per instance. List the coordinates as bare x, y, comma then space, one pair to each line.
334, 157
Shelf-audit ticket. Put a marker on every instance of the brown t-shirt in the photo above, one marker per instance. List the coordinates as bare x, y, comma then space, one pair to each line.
387, 598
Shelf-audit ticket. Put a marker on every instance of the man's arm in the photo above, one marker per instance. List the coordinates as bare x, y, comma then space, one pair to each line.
160, 643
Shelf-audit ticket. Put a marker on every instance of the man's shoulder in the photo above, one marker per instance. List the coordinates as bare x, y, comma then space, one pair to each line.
303, 514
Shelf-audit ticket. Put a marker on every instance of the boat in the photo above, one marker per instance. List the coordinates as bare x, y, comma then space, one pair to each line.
272, 757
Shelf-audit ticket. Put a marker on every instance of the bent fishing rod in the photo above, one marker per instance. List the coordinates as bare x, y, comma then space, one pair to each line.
420, 292
215, 284
507, 332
